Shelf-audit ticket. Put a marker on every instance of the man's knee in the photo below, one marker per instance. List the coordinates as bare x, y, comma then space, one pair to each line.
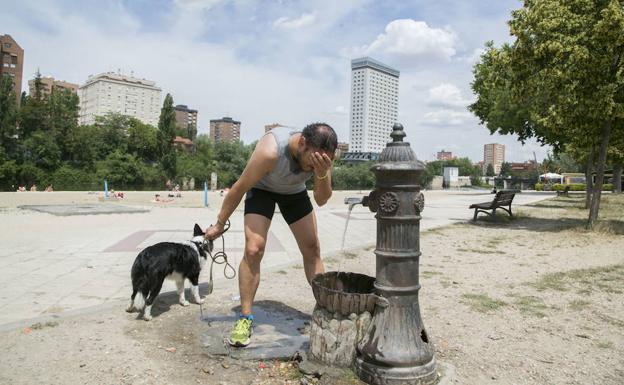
312, 248
254, 252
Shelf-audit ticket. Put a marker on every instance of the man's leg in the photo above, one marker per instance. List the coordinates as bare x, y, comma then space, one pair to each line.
256, 230
305, 233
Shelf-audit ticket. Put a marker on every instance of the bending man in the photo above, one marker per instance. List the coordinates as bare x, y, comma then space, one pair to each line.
283, 160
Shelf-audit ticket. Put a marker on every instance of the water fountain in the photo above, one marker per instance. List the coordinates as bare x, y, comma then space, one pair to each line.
394, 347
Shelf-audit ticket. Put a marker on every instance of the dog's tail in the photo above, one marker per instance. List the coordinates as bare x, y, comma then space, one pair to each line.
139, 301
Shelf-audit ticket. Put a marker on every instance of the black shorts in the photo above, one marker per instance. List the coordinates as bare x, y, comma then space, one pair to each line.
292, 206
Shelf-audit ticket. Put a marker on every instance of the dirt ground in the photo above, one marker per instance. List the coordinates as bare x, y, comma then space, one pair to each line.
534, 300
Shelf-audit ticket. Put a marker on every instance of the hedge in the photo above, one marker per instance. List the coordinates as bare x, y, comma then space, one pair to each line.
573, 187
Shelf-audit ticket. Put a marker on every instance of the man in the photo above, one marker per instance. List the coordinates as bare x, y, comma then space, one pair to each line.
277, 171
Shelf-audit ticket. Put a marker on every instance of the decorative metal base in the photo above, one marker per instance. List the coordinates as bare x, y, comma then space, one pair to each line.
383, 375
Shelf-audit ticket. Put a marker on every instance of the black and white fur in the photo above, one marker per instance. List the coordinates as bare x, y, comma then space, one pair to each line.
175, 261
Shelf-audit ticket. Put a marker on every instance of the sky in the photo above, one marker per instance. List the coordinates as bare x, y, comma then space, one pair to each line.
280, 61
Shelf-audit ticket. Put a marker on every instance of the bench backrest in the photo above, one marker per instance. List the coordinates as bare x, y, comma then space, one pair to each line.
504, 198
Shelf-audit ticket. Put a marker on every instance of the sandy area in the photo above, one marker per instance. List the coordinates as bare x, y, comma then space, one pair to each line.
535, 300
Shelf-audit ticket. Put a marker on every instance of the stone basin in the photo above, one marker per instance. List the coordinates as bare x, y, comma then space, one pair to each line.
344, 292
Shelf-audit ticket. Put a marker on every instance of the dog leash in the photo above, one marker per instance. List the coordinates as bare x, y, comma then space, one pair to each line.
220, 258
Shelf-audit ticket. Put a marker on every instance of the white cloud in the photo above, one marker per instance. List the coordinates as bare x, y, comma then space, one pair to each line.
304, 20
447, 117
447, 95
196, 4
412, 39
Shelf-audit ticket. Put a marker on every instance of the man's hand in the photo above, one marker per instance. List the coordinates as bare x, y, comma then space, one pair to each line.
321, 164
214, 232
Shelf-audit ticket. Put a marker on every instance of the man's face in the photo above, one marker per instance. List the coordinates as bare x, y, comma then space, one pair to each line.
305, 157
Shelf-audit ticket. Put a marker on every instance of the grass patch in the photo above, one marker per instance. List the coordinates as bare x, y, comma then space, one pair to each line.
609, 279
281, 272
533, 306
429, 273
482, 303
480, 251
605, 345
578, 304
445, 283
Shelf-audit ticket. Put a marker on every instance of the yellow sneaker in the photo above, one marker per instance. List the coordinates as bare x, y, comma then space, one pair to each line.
241, 333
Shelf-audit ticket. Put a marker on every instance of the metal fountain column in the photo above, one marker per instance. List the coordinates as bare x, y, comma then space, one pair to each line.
396, 348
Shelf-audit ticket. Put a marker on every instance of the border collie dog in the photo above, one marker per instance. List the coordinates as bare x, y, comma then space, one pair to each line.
175, 261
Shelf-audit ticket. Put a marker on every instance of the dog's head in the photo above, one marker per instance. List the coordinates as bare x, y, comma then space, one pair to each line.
203, 245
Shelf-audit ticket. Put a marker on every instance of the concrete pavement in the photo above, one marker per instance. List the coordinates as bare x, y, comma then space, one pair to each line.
55, 265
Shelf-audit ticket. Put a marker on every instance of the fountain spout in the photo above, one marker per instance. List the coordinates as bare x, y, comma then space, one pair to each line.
352, 201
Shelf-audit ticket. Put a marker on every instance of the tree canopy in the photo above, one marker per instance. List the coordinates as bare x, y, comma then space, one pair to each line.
561, 81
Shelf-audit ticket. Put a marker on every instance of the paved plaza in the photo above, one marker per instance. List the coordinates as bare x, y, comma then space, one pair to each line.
53, 264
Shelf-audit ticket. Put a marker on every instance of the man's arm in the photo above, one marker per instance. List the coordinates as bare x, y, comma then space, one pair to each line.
322, 178
261, 162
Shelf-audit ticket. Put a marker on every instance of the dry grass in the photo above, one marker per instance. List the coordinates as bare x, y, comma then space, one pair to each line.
482, 302
532, 306
578, 304
609, 279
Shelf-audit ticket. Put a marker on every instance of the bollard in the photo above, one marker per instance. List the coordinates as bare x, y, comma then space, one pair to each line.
205, 194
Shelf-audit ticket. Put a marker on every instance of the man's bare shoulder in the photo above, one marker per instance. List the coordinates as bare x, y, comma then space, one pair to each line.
266, 148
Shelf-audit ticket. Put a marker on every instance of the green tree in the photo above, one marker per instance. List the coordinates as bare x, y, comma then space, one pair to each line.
62, 107
560, 81
33, 111
8, 117
142, 140
490, 170
8, 171
353, 176
505, 169
166, 131
121, 170
42, 150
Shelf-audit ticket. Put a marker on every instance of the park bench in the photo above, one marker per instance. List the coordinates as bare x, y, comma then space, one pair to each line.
564, 192
502, 200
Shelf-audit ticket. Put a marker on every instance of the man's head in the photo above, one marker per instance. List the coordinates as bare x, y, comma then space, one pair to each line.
316, 137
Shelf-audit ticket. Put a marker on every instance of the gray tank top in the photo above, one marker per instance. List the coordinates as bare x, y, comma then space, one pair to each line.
286, 177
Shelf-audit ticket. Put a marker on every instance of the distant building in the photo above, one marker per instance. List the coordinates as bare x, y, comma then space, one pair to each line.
111, 92
183, 143
12, 57
444, 155
224, 130
374, 104
49, 84
186, 120
493, 154
269, 127
342, 148
523, 166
